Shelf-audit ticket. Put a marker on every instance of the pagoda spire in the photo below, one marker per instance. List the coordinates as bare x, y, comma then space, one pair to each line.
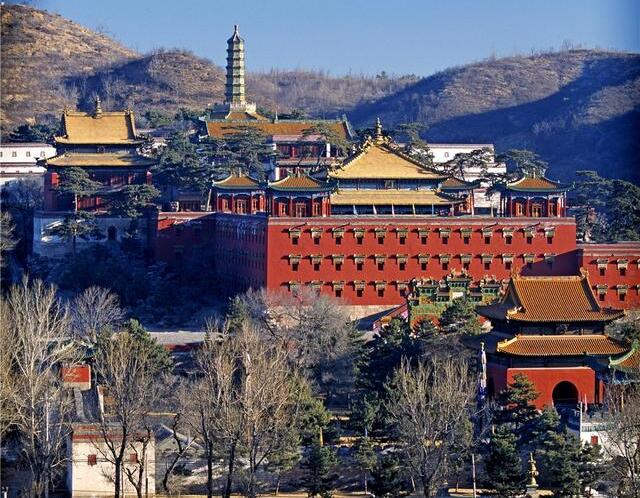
235, 89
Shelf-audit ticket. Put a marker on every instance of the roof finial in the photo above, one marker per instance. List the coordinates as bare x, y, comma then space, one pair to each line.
98, 109
378, 128
235, 29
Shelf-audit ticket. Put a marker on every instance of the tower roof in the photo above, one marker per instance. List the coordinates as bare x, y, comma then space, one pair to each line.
235, 37
549, 299
378, 158
536, 184
98, 128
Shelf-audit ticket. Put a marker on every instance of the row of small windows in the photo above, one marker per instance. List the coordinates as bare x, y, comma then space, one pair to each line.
622, 266
621, 290
423, 235
423, 260
27, 153
359, 287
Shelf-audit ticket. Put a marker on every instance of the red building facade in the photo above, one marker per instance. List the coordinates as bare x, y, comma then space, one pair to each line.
551, 330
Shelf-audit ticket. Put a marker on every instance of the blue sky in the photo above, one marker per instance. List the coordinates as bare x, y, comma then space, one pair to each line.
368, 36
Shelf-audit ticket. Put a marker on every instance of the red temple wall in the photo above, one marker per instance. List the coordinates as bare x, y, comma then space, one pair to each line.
280, 246
589, 254
545, 379
182, 235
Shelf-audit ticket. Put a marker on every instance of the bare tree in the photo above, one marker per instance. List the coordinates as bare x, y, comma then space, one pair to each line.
247, 401
94, 311
37, 326
176, 398
622, 442
212, 406
320, 336
126, 368
429, 409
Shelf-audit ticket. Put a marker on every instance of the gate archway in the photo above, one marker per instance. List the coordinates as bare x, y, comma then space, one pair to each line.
565, 394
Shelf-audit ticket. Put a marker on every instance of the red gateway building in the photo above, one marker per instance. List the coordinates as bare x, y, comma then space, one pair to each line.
551, 329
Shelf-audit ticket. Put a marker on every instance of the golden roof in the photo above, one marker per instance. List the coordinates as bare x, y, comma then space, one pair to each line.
237, 182
302, 182
378, 159
549, 299
88, 159
536, 183
628, 362
230, 126
99, 128
561, 345
396, 197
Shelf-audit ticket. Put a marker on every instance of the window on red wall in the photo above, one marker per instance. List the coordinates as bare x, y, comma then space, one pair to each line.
623, 272
359, 293
602, 272
519, 209
317, 207
254, 205
301, 210
241, 206
359, 266
338, 292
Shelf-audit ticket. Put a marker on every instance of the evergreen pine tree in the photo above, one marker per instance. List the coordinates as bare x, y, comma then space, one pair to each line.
460, 317
319, 471
560, 464
365, 457
386, 477
503, 465
516, 406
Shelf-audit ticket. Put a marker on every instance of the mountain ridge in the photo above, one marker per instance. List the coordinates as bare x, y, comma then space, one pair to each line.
579, 109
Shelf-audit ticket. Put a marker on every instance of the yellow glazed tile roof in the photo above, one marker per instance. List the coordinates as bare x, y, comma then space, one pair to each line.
549, 299
270, 128
106, 128
72, 160
396, 197
380, 161
561, 345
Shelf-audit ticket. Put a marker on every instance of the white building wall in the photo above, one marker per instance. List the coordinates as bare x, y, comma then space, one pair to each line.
19, 161
52, 246
85, 480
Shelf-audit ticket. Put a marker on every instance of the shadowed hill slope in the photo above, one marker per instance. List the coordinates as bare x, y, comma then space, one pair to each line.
578, 109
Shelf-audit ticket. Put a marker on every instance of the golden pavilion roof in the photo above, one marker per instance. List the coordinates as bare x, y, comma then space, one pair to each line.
98, 128
396, 197
237, 182
562, 299
230, 123
539, 184
89, 159
378, 158
561, 345
299, 182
